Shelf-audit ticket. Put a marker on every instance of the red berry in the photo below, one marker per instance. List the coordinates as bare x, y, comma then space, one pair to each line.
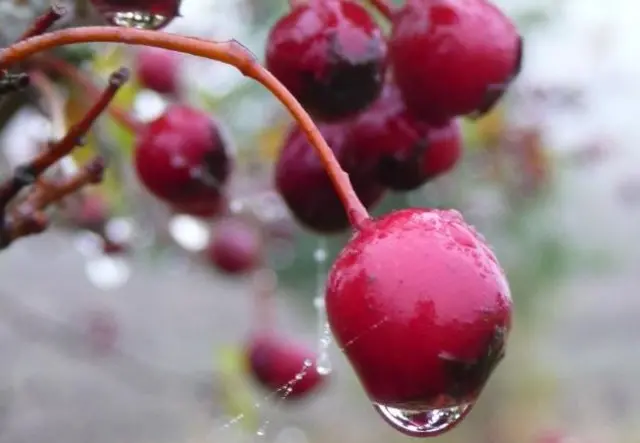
331, 55
205, 209
453, 57
236, 246
411, 151
181, 158
158, 70
280, 364
92, 213
422, 310
147, 14
306, 188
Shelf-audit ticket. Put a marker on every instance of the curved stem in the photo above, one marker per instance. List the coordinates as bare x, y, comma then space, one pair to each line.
229, 52
77, 77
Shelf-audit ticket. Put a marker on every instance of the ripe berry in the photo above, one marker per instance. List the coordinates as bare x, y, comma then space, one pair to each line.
205, 209
236, 246
92, 213
181, 158
331, 55
280, 364
158, 70
146, 14
453, 57
411, 151
306, 188
422, 309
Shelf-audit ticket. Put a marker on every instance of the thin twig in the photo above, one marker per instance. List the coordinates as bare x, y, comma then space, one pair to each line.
45, 21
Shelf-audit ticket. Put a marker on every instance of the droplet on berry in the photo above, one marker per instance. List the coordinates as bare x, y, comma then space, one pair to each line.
411, 150
236, 246
331, 55
141, 14
423, 423
282, 365
181, 158
158, 70
422, 309
306, 187
453, 57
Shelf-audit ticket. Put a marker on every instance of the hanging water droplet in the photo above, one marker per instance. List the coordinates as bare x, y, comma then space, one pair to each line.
423, 423
323, 363
262, 430
137, 19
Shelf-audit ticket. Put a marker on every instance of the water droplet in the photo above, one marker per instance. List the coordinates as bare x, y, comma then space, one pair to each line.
320, 255
425, 423
462, 236
138, 19
262, 430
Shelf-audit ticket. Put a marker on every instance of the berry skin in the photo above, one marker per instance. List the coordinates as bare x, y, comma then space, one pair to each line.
411, 151
331, 55
158, 70
306, 188
181, 158
277, 363
147, 14
422, 309
204, 209
236, 246
453, 57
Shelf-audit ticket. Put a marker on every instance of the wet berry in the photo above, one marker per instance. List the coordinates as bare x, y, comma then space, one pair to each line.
411, 151
453, 57
181, 158
331, 55
306, 188
145, 14
422, 309
158, 70
280, 364
236, 246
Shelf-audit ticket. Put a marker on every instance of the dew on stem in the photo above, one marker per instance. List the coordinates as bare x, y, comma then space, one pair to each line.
323, 362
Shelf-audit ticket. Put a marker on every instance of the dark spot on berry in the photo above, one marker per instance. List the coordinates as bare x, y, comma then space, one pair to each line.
352, 81
405, 172
469, 376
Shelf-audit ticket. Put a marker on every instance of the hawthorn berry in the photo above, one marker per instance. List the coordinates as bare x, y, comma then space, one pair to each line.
146, 14
453, 57
181, 158
305, 186
422, 309
207, 208
411, 150
236, 246
331, 55
158, 70
280, 364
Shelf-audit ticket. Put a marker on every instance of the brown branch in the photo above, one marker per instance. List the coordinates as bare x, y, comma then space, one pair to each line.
28, 217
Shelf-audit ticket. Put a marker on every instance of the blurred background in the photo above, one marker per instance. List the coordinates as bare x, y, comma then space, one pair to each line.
146, 345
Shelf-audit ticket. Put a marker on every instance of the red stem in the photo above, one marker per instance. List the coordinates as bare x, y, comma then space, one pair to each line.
77, 77
384, 8
45, 21
229, 52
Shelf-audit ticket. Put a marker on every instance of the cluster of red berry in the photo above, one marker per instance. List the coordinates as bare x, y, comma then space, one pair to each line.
416, 299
